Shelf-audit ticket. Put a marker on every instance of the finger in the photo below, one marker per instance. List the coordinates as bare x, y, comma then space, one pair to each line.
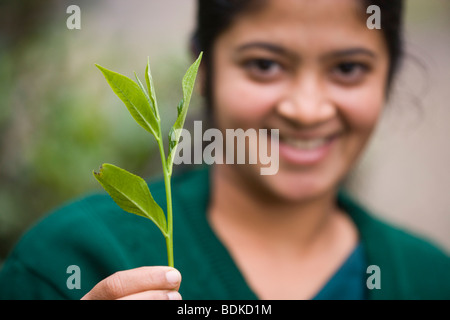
125, 283
154, 295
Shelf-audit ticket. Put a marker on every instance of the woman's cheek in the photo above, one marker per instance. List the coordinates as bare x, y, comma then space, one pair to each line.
244, 103
361, 109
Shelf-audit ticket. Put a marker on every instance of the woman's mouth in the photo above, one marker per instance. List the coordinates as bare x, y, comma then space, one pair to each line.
306, 144
305, 151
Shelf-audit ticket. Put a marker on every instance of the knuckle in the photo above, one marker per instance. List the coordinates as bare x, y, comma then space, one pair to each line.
114, 285
156, 279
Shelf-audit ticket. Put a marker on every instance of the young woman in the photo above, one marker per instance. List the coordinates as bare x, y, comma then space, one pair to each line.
317, 73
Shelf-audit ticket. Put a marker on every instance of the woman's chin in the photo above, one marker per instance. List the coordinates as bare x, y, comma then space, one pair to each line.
295, 187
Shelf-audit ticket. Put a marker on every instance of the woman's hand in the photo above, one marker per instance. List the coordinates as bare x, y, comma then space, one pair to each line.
145, 283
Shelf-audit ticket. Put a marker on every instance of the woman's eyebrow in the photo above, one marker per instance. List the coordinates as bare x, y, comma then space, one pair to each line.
349, 52
266, 46
277, 49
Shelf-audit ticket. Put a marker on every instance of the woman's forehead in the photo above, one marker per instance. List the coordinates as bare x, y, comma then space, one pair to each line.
304, 10
305, 24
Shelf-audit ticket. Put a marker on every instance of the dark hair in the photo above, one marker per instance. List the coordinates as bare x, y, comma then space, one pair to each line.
392, 28
215, 16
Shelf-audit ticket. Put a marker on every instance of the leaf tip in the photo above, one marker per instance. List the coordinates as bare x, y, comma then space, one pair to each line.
99, 173
103, 70
199, 58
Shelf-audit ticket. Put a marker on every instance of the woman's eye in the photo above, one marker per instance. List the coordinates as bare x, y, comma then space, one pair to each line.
263, 64
263, 69
349, 72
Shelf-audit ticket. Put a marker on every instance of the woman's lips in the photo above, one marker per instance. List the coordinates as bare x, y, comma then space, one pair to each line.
305, 152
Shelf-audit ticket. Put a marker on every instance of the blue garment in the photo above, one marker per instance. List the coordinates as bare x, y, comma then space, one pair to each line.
349, 282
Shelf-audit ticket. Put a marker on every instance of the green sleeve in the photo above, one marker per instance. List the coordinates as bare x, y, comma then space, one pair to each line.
18, 282
83, 233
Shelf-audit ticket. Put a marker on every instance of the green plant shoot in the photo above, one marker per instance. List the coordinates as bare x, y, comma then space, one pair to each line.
129, 191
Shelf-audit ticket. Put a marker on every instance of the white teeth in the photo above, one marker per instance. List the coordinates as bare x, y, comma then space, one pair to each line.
309, 144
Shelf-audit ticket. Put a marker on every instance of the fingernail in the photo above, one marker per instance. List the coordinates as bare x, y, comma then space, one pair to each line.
173, 277
174, 295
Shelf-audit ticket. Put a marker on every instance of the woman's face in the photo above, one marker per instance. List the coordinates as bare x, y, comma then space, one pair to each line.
311, 69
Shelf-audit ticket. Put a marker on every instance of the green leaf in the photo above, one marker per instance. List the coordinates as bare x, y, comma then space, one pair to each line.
141, 86
172, 142
182, 108
131, 193
151, 89
135, 100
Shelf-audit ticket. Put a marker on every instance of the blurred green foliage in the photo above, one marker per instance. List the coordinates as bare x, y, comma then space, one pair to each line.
59, 120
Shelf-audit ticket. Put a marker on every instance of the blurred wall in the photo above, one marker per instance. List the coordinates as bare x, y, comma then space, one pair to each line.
59, 121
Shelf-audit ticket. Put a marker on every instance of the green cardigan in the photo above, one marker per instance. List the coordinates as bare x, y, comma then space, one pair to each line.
95, 235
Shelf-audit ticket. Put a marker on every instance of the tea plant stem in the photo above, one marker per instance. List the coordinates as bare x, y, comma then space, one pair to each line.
129, 191
169, 237
169, 234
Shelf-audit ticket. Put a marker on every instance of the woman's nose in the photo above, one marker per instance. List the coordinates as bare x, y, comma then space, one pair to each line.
306, 103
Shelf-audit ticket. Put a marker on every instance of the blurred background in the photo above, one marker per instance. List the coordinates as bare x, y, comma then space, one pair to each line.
59, 120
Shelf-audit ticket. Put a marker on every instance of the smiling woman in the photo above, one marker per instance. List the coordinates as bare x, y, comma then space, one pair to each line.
316, 74
319, 76
313, 71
